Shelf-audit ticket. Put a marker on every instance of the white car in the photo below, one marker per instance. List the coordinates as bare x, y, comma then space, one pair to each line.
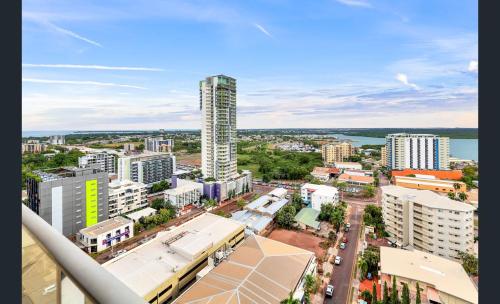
338, 259
329, 290
342, 245
348, 225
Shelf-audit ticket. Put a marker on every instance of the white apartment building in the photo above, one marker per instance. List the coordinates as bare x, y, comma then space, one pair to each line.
125, 196
317, 195
147, 167
335, 152
105, 234
103, 160
218, 127
427, 221
186, 193
417, 151
56, 140
158, 144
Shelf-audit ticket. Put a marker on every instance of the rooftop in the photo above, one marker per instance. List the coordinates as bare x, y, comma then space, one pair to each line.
140, 213
267, 204
256, 222
445, 275
426, 198
325, 170
252, 274
442, 174
308, 216
145, 267
184, 187
279, 192
105, 226
356, 178
64, 172
426, 181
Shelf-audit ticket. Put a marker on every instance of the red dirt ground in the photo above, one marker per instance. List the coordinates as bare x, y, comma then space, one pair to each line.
368, 285
299, 239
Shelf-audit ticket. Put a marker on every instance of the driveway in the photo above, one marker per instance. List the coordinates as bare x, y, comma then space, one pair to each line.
342, 274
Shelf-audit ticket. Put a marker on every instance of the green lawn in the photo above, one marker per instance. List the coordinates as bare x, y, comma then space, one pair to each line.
252, 167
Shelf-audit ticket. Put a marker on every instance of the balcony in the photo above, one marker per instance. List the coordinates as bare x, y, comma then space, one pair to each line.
54, 270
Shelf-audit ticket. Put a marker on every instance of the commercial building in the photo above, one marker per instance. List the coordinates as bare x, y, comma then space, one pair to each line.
440, 280
147, 168
417, 151
136, 215
348, 165
33, 146
56, 140
317, 195
105, 234
159, 268
185, 193
336, 152
158, 144
441, 174
69, 199
324, 173
278, 192
356, 180
102, 160
427, 221
125, 196
383, 156
255, 273
218, 127
429, 182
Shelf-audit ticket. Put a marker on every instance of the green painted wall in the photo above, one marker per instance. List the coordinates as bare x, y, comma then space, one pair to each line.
91, 202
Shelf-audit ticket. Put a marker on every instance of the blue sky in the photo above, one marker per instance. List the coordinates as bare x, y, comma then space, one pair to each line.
109, 65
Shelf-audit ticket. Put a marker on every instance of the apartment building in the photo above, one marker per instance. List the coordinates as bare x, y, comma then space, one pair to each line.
125, 196
383, 156
335, 152
69, 199
158, 144
417, 151
440, 280
57, 140
147, 168
105, 234
128, 147
186, 193
427, 221
103, 160
218, 127
32, 146
317, 195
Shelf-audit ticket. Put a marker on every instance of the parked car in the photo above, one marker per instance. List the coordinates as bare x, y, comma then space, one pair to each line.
344, 239
348, 225
346, 229
338, 259
329, 290
342, 245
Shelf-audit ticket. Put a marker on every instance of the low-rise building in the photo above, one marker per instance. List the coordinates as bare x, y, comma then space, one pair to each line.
126, 196
356, 180
307, 218
440, 280
255, 273
348, 165
317, 195
136, 215
425, 183
160, 268
105, 234
324, 173
186, 193
427, 221
441, 174
278, 192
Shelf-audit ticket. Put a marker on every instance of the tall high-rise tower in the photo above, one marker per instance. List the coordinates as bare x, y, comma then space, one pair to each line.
218, 127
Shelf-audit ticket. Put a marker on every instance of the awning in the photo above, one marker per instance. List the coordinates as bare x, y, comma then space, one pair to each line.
433, 295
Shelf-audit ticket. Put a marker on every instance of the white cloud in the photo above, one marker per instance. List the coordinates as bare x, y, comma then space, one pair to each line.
404, 79
91, 67
262, 29
80, 82
359, 3
473, 66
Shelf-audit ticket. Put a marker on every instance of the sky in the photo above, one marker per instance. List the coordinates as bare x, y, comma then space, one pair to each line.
136, 65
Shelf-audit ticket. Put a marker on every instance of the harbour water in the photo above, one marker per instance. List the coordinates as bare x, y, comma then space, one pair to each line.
460, 148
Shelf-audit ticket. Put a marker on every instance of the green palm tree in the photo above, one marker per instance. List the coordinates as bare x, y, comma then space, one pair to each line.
417, 299
309, 283
462, 196
290, 300
363, 268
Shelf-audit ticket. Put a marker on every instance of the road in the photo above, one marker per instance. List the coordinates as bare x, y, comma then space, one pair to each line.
341, 274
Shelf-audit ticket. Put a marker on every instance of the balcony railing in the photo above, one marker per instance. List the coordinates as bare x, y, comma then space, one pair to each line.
54, 270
